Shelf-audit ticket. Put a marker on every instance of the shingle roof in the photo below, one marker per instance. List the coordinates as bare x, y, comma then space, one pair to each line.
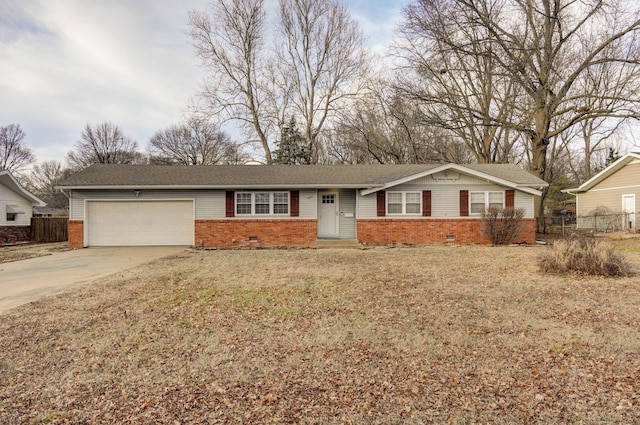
238, 176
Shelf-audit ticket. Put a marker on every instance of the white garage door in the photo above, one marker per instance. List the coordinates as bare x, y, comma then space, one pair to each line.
129, 223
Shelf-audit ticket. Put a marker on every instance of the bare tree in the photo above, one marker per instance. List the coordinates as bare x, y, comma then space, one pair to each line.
14, 154
42, 181
314, 63
322, 57
544, 48
382, 126
197, 142
103, 144
457, 83
230, 45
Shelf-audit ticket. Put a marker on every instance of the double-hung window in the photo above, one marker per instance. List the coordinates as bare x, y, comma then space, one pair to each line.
404, 203
262, 203
480, 201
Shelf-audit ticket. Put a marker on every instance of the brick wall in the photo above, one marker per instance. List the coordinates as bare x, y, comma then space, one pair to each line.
429, 231
269, 233
14, 234
76, 234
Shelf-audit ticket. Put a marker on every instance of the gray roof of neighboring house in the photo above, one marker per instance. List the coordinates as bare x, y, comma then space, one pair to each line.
238, 176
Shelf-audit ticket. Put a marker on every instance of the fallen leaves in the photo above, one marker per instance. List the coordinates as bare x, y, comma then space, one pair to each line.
378, 336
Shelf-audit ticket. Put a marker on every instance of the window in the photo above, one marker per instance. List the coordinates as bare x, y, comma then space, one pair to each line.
11, 216
243, 203
328, 199
408, 203
280, 203
394, 203
479, 201
412, 204
262, 203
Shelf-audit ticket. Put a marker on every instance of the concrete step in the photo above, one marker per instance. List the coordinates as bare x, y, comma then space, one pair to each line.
338, 244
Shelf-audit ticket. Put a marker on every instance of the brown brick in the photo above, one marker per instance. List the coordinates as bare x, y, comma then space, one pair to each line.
429, 231
269, 233
76, 234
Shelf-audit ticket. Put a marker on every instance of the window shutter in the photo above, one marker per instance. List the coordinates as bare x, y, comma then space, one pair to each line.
426, 203
231, 203
382, 203
464, 203
509, 199
294, 200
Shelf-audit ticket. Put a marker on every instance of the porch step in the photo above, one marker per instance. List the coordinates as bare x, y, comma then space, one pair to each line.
338, 244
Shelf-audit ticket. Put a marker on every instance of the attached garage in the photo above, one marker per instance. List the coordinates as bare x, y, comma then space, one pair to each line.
139, 223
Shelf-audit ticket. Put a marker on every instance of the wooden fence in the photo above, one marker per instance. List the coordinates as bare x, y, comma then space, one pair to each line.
49, 229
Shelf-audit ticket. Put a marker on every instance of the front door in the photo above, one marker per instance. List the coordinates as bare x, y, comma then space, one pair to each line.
328, 215
629, 207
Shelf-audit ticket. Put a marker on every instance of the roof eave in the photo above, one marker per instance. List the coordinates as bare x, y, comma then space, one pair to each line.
210, 187
529, 188
17, 187
611, 169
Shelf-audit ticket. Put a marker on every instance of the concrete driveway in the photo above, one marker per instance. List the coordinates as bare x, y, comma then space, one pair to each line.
28, 280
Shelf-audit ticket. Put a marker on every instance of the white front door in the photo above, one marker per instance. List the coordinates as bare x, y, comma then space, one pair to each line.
328, 215
629, 207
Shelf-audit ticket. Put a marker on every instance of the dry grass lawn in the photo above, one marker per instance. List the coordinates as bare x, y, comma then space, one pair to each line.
446, 335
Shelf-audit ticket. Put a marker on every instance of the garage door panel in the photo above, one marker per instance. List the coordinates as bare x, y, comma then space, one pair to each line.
139, 223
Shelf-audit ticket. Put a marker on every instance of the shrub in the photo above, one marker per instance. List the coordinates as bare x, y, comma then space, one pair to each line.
584, 256
502, 226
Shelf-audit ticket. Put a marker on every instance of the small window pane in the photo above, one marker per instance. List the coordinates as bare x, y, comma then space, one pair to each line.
394, 203
413, 203
328, 199
243, 203
262, 203
281, 203
477, 202
495, 200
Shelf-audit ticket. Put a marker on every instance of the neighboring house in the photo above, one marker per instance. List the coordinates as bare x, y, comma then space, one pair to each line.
610, 199
16, 205
284, 205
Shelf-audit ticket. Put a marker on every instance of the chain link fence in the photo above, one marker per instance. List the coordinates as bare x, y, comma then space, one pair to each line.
599, 221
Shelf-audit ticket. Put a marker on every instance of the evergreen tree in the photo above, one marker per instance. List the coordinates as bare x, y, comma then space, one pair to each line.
292, 148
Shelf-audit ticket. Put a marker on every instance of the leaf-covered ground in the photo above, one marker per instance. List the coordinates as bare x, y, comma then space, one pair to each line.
444, 334
24, 252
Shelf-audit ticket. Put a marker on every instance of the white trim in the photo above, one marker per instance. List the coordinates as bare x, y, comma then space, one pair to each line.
611, 169
403, 203
632, 214
615, 188
458, 168
7, 179
486, 199
253, 213
336, 194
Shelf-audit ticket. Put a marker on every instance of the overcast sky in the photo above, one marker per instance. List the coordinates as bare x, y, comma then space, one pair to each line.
65, 63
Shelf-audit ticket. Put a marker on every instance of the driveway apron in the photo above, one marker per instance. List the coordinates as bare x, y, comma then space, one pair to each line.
28, 280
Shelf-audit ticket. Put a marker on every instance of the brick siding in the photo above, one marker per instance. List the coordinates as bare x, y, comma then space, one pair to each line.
76, 234
304, 233
14, 234
430, 231
269, 233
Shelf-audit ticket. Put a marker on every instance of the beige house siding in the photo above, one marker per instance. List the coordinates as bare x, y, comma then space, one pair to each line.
608, 193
